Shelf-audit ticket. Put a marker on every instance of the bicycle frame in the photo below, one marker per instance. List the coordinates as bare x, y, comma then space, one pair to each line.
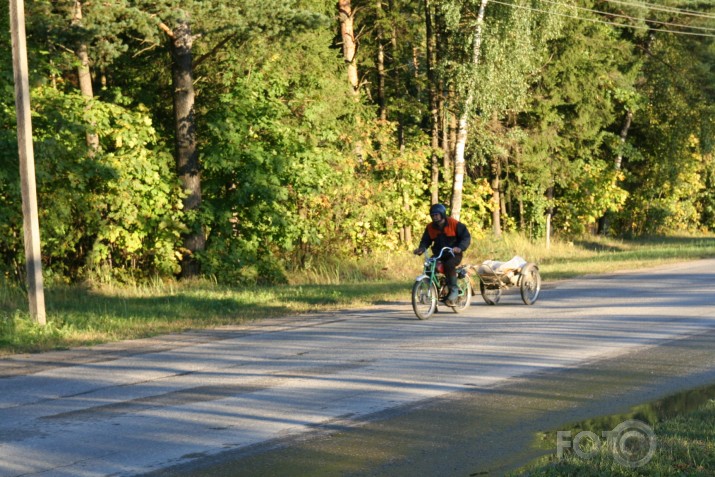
430, 269
434, 275
436, 289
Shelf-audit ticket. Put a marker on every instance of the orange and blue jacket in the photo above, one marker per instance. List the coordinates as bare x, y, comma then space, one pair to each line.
453, 234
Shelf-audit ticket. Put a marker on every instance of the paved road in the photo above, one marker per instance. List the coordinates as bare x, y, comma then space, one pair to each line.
136, 407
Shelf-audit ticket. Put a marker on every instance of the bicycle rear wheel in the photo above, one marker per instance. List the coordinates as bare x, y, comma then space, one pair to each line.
424, 298
465, 295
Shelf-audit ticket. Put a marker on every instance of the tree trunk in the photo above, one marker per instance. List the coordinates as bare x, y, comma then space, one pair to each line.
520, 200
604, 224
434, 110
549, 215
381, 103
624, 135
496, 197
504, 198
347, 33
345, 13
449, 120
187, 158
85, 78
396, 81
458, 180
450, 142
407, 229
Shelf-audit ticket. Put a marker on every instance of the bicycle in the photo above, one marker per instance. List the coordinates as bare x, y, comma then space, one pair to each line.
431, 286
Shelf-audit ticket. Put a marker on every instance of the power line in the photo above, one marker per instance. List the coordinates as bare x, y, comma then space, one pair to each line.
662, 8
593, 20
630, 17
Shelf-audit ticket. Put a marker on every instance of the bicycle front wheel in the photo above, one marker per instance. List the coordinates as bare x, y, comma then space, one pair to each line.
424, 298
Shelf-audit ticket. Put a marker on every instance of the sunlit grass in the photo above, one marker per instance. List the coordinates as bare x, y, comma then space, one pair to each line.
83, 315
598, 255
685, 446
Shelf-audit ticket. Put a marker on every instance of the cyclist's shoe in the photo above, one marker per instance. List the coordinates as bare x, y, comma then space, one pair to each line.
452, 297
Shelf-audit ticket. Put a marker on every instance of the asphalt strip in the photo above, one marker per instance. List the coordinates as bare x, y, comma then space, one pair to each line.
481, 431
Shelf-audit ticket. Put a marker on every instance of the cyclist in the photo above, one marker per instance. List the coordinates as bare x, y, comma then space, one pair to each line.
442, 232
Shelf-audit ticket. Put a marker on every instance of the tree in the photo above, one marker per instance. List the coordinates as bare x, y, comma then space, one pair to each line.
349, 42
574, 105
667, 161
83, 74
187, 154
467, 85
267, 146
490, 68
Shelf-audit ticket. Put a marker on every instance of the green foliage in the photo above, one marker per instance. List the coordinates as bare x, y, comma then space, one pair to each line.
116, 209
269, 154
568, 129
299, 194
514, 49
295, 167
398, 28
388, 197
477, 198
707, 195
593, 190
667, 176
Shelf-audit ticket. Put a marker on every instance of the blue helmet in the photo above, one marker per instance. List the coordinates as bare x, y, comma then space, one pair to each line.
438, 209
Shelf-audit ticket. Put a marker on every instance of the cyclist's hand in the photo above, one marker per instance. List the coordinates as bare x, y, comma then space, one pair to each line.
456, 250
419, 251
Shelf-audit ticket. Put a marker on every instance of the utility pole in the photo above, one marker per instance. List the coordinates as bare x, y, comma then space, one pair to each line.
31, 224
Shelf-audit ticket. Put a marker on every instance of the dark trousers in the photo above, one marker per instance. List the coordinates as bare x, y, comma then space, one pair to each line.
450, 268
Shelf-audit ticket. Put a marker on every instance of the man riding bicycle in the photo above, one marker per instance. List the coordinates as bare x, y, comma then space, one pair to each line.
442, 232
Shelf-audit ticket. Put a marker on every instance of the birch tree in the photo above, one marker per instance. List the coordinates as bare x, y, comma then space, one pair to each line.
465, 111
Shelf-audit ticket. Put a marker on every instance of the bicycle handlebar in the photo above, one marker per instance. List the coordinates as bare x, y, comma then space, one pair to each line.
449, 249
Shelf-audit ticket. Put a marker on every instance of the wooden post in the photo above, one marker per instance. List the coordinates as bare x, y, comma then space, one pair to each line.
31, 225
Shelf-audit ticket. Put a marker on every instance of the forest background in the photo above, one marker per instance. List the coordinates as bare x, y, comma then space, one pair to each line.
244, 140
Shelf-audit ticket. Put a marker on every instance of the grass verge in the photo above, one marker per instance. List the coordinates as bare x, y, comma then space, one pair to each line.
684, 446
81, 315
